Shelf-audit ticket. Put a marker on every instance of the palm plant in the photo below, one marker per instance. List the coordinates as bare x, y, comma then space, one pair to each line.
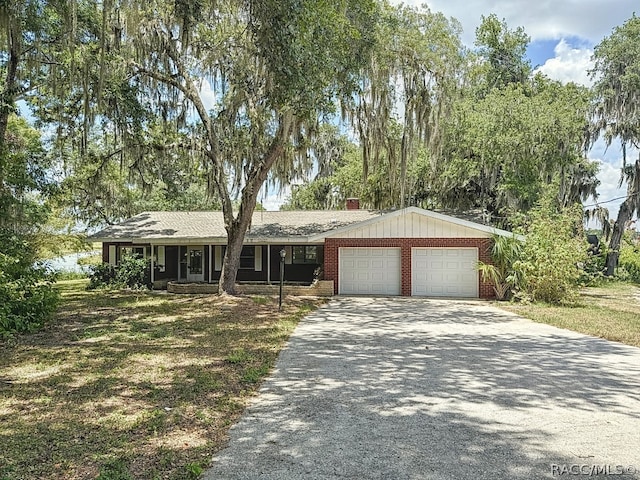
500, 272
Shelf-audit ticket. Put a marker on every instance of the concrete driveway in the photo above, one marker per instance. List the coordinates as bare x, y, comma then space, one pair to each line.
380, 388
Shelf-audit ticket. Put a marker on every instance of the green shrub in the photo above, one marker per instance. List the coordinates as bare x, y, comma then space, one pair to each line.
504, 253
553, 257
594, 266
629, 262
132, 272
27, 295
101, 276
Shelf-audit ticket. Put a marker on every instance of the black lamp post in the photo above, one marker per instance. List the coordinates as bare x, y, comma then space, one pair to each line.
283, 253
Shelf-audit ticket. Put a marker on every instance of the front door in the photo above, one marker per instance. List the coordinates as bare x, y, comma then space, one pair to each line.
195, 263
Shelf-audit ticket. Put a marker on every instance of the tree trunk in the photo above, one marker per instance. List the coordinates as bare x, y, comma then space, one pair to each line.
237, 227
624, 215
231, 263
8, 94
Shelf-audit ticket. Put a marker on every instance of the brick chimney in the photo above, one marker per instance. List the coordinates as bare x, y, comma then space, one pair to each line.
353, 204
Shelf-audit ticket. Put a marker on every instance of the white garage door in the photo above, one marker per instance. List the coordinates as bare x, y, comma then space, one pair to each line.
444, 272
369, 271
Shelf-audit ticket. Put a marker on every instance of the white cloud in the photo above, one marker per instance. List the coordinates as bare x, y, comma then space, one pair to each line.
609, 176
543, 19
569, 64
207, 94
274, 199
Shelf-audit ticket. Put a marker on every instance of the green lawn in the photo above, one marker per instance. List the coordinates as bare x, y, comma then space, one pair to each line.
611, 311
134, 384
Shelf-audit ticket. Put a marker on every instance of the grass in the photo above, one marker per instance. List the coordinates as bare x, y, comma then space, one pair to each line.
611, 311
132, 385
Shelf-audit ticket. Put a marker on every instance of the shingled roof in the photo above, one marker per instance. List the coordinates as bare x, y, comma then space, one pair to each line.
184, 226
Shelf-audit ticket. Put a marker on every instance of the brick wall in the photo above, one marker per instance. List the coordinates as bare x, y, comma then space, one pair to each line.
332, 245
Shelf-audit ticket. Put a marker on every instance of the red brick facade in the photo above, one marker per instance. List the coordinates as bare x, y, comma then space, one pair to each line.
333, 244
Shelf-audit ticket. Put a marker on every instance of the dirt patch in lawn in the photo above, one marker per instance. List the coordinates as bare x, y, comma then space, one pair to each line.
134, 384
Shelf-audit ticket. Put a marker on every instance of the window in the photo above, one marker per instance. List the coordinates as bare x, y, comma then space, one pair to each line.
305, 254
248, 258
159, 258
137, 252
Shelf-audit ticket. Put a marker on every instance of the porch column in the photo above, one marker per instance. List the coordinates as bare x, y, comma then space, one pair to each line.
210, 257
152, 262
268, 264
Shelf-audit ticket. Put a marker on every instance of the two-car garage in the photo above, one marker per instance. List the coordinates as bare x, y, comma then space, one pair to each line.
435, 271
410, 252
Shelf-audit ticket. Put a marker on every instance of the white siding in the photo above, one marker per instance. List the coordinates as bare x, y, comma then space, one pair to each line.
412, 225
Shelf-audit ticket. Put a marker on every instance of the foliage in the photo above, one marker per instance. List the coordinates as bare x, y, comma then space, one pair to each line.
415, 69
23, 178
131, 272
26, 292
102, 275
96, 191
227, 93
500, 272
616, 75
630, 260
476, 133
594, 265
554, 250
504, 51
503, 149
26, 287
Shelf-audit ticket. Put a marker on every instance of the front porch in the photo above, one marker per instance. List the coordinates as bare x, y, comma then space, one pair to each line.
202, 264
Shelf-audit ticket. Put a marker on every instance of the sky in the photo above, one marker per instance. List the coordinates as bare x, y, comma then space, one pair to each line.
563, 34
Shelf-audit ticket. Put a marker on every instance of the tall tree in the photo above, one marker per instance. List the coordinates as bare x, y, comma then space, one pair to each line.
504, 51
237, 86
501, 150
404, 94
616, 74
25, 284
35, 36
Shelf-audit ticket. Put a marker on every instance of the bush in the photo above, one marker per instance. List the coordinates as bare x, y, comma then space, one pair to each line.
629, 262
554, 254
26, 287
101, 276
594, 266
504, 253
132, 272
